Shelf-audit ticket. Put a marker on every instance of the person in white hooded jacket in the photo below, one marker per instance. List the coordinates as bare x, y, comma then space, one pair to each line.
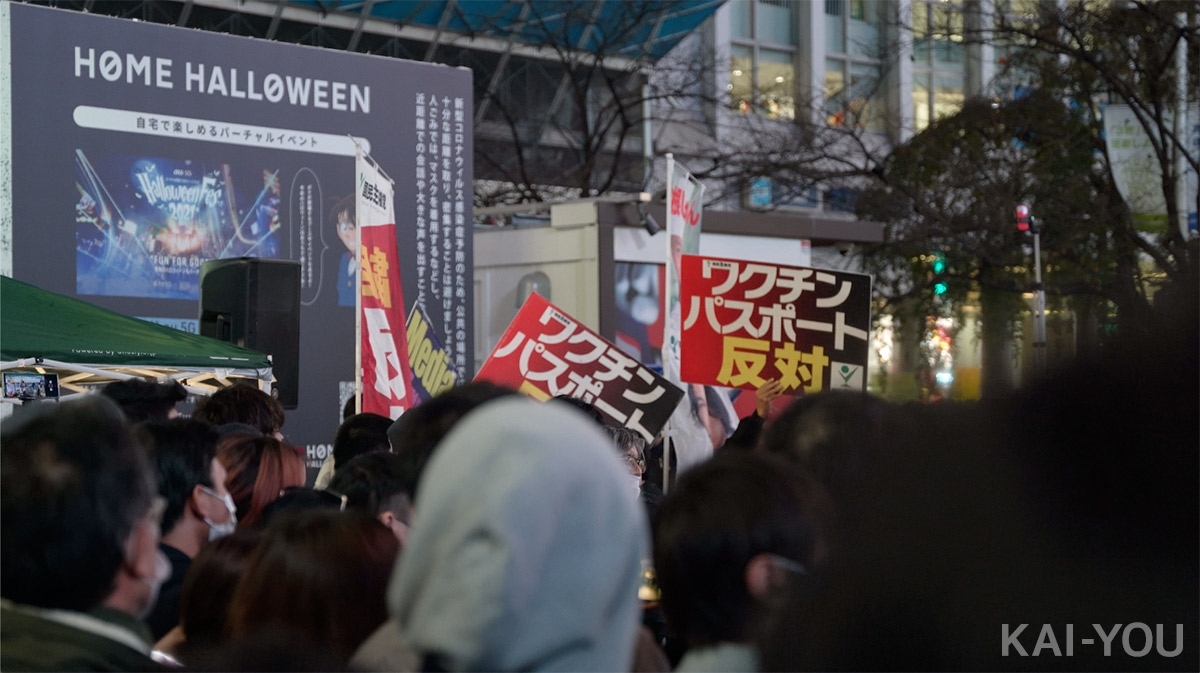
525, 553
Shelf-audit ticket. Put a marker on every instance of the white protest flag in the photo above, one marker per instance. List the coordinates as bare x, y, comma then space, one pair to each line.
685, 203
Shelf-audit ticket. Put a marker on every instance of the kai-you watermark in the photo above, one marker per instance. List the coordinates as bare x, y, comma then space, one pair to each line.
1135, 639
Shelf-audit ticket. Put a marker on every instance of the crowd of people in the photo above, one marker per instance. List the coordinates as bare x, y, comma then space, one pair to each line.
483, 530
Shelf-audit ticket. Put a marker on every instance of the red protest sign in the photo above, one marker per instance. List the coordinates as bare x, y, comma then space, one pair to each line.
747, 322
545, 353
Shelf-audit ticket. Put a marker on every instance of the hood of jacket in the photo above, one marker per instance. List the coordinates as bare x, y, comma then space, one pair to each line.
525, 551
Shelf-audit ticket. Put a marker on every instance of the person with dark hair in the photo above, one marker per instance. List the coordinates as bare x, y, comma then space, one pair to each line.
198, 507
417, 432
837, 436
728, 536
205, 597
79, 534
320, 574
243, 403
359, 434
300, 498
350, 407
990, 530
143, 400
587, 408
257, 470
526, 550
631, 447
376, 484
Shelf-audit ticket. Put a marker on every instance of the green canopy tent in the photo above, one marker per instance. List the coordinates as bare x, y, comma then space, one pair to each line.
88, 346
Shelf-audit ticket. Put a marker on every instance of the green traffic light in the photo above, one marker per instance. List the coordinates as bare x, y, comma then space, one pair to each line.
940, 288
939, 263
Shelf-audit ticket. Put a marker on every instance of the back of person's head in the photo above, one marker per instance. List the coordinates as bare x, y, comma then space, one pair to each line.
257, 469
359, 434
1070, 501
181, 452
372, 482
73, 485
585, 407
143, 400
526, 550
299, 498
242, 403
417, 432
722, 517
377, 484
349, 408
320, 573
837, 436
208, 588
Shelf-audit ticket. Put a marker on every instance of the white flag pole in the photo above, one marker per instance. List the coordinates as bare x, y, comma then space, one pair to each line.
358, 277
669, 430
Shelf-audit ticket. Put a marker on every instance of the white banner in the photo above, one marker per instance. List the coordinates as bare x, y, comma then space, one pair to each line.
1136, 170
703, 419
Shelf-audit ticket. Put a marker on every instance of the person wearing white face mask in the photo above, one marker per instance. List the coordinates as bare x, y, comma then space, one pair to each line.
198, 506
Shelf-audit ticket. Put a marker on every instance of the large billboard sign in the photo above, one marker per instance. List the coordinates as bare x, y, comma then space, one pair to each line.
139, 151
546, 353
748, 322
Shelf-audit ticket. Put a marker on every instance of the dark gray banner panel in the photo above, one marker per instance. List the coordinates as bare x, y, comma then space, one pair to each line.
140, 151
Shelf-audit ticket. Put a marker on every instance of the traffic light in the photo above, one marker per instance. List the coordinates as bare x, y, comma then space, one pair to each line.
1023, 218
938, 266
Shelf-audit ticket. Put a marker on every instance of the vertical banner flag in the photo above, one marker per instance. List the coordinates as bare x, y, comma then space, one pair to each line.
748, 322
386, 379
1136, 170
685, 201
545, 353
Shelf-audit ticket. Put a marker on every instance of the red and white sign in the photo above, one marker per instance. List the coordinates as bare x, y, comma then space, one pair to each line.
747, 322
386, 378
545, 353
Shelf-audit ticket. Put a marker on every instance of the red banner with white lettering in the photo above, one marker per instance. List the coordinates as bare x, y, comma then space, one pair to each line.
386, 378
747, 322
545, 353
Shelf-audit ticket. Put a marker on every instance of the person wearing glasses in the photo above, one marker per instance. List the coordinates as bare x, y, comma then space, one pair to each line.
79, 532
631, 447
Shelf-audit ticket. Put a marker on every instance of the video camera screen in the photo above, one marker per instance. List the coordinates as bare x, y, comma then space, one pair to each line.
30, 385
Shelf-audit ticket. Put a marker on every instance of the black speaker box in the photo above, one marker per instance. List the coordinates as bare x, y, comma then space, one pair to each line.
255, 303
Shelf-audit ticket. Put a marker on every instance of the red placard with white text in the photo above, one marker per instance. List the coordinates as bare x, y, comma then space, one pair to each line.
545, 353
747, 322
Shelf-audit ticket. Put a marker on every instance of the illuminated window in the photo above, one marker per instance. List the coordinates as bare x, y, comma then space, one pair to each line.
762, 54
939, 63
854, 42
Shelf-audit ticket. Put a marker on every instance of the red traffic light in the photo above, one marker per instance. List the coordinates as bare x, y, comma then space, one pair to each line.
1022, 217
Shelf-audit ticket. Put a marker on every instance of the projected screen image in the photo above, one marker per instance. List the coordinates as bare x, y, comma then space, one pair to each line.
144, 225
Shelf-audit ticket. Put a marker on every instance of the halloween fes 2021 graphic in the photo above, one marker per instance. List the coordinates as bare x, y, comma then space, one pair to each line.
144, 225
